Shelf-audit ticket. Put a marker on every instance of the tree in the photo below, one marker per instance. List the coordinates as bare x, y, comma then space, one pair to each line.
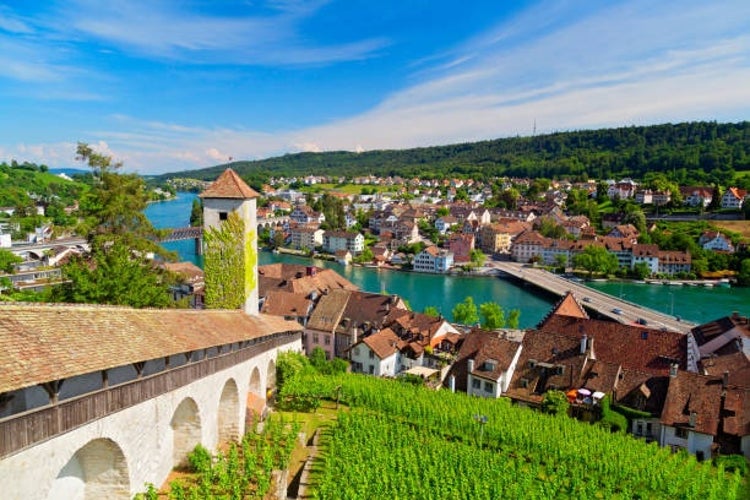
431, 311
514, 318
641, 270
596, 259
555, 403
8, 261
477, 257
493, 315
114, 274
561, 262
196, 213
466, 312
117, 270
743, 276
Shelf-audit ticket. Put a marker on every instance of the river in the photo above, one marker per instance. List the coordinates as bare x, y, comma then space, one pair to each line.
421, 290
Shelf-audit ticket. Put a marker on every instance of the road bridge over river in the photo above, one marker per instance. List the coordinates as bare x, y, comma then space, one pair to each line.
593, 300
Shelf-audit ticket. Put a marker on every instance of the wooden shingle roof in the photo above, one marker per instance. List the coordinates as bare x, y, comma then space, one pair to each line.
41, 343
229, 185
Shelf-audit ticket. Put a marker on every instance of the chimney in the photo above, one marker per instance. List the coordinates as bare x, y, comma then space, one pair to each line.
471, 365
584, 340
468, 375
354, 334
673, 370
725, 379
693, 419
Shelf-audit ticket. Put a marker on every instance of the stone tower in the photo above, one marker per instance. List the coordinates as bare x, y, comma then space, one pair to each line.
229, 193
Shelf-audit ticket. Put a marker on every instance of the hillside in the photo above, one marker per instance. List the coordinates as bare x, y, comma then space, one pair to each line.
695, 152
17, 182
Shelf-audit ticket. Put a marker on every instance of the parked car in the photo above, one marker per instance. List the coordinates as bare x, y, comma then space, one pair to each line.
642, 321
586, 299
617, 310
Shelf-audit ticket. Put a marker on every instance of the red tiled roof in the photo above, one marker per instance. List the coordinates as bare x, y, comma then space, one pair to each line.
383, 343
693, 393
634, 347
40, 343
281, 303
229, 185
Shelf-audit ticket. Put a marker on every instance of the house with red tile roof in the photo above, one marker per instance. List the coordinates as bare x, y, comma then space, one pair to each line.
733, 198
377, 354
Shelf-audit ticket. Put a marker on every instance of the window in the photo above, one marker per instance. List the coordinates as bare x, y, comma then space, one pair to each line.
316, 338
356, 351
649, 428
681, 433
639, 429
475, 383
223, 215
372, 355
489, 387
327, 340
371, 369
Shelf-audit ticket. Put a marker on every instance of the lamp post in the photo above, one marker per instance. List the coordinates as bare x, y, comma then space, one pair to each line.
482, 419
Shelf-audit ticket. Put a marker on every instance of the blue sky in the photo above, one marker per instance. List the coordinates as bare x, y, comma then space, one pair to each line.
173, 85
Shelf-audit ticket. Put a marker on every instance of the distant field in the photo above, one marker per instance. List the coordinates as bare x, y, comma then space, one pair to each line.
738, 226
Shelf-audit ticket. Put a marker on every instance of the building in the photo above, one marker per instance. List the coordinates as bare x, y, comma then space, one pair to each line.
377, 354
697, 196
461, 245
433, 260
343, 240
306, 237
733, 198
716, 241
304, 214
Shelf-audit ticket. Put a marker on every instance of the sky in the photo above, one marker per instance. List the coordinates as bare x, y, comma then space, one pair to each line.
166, 85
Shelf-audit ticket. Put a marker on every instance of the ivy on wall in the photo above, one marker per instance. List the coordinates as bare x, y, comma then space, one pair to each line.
251, 263
225, 265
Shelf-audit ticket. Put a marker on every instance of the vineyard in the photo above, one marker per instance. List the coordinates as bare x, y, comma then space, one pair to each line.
245, 471
403, 441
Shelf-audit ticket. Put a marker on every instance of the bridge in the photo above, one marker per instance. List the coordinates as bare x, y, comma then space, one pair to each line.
593, 300
96, 401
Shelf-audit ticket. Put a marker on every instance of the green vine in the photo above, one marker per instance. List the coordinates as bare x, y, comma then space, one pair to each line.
225, 265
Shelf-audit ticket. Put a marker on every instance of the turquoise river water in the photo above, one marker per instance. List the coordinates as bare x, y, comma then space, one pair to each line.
697, 304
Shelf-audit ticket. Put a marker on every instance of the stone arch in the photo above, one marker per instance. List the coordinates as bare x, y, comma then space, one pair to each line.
271, 375
97, 470
186, 430
255, 382
229, 412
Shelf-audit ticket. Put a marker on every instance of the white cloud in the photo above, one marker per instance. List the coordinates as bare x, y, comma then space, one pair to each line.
631, 63
169, 30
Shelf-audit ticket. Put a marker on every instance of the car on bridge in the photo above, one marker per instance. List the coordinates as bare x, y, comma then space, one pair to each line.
617, 310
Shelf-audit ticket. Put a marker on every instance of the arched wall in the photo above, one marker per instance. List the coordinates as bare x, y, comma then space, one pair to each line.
229, 412
186, 430
143, 433
97, 470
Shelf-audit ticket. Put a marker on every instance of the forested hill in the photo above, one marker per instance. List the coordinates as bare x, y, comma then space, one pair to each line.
689, 152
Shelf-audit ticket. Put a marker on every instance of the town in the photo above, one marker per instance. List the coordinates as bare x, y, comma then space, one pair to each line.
685, 391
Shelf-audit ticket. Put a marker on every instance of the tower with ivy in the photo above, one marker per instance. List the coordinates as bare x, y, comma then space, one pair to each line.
231, 247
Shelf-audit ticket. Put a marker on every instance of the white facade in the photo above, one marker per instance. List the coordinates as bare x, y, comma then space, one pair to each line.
365, 360
333, 241
682, 437
439, 261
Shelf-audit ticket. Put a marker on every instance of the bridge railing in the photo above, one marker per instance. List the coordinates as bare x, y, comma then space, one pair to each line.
29, 428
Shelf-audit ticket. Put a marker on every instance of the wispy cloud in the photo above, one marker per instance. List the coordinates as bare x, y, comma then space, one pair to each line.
558, 64
167, 30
